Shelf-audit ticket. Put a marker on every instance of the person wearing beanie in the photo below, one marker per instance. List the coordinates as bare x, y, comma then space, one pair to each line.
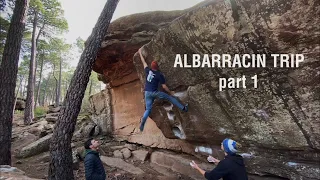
153, 78
230, 168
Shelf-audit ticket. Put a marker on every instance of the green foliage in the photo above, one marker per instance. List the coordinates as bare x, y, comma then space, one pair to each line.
4, 27
58, 50
36, 5
23, 69
18, 112
40, 111
95, 88
80, 44
26, 42
51, 19
53, 16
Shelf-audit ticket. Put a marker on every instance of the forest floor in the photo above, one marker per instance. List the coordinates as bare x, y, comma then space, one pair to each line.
36, 167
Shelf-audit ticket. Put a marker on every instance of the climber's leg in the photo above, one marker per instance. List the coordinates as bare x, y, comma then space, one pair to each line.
173, 100
148, 96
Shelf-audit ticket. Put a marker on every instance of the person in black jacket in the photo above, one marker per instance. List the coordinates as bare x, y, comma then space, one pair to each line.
94, 169
230, 168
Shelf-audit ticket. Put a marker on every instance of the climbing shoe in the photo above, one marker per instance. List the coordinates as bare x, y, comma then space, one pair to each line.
185, 108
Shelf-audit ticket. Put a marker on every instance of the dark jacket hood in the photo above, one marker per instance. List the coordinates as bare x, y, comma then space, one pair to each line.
236, 158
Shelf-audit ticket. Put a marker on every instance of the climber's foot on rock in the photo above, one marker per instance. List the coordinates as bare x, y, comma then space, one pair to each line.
136, 131
186, 108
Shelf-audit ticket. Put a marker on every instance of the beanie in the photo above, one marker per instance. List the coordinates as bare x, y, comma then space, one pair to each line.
154, 65
229, 146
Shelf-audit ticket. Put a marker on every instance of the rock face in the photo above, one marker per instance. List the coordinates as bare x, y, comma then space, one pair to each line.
119, 113
37, 147
121, 164
126, 35
101, 111
277, 123
126, 153
140, 154
178, 163
86, 128
8, 172
20, 104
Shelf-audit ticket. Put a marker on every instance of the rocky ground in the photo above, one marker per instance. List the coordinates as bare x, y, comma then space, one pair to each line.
122, 160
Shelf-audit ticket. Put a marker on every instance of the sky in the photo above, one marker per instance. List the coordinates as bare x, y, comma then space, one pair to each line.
83, 14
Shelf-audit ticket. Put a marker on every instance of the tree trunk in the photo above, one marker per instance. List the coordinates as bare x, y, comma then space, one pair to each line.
29, 110
24, 87
39, 83
45, 89
56, 88
52, 97
65, 92
61, 153
36, 67
16, 97
59, 85
21, 88
8, 77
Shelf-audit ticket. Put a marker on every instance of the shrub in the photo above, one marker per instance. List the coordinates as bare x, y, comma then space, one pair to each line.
40, 111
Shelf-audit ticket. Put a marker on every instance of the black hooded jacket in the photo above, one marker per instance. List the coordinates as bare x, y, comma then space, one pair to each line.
94, 169
230, 168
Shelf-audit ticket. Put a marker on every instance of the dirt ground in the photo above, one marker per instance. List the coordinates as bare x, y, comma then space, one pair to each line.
37, 166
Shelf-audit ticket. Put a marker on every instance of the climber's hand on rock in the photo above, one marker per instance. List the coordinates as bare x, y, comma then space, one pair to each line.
143, 51
213, 160
172, 93
194, 165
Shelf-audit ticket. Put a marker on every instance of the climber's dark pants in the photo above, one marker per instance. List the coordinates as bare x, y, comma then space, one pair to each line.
150, 97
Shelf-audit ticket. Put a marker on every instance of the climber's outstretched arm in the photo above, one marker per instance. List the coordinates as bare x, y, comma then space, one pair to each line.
142, 60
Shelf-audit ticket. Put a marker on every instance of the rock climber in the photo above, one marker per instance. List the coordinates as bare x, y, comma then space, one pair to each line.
94, 169
230, 168
153, 78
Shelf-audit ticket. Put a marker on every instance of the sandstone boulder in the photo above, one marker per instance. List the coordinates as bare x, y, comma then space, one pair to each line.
116, 147
118, 154
121, 164
86, 128
178, 163
75, 160
20, 104
34, 131
101, 112
8, 172
81, 151
278, 121
53, 109
50, 118
131, 147
37, 147
140, 154
126, 153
